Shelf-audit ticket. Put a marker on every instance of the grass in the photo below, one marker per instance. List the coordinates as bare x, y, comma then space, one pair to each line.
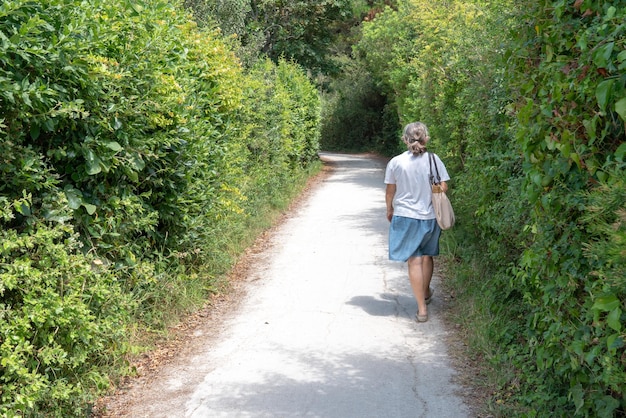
479, 358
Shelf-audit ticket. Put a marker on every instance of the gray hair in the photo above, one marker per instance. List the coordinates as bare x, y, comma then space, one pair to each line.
415, 137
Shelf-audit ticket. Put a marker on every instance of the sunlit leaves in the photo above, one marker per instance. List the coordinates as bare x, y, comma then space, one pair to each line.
533, 106
123, 157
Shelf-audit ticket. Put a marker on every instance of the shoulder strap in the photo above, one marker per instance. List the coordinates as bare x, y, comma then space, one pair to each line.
431, 161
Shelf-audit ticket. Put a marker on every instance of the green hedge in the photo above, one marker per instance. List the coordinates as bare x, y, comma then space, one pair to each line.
282, 128
62, 317
526, 103
128, 156
571, 130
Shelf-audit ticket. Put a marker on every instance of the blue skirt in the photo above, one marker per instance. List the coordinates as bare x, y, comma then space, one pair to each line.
410, 237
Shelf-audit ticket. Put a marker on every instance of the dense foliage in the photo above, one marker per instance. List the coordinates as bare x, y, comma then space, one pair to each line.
354, 112
135, 150
300, 30
527, 108
571, 130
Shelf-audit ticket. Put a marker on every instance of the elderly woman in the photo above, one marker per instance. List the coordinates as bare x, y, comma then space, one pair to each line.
414, 233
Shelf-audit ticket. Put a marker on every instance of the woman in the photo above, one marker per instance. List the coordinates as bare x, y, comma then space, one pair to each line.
414, 233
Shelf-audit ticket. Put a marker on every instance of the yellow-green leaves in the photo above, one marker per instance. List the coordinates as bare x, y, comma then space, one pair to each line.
126, 173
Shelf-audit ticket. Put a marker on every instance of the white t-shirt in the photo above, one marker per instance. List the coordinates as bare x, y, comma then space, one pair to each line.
410, 174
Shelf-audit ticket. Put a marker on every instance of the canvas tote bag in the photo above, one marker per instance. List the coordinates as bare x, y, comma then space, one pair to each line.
443, 208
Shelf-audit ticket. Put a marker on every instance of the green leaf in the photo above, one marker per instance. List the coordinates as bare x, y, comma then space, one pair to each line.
606, 303
590, 127
93, 163
620, 108
577, 396
34, 131
132, 175
114, 146
606, 406
620, 152
26, 99
23, 209
577, 347
613, 319
614, 341
603, 92
91, 209
74, 198
56, 216
603, 55
137, 8
549, 53
592, 355
610, 13
137, 163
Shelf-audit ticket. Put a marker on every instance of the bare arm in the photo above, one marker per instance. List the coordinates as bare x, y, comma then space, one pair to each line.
389, 194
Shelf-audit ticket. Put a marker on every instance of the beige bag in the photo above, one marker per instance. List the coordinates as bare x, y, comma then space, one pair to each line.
443, 208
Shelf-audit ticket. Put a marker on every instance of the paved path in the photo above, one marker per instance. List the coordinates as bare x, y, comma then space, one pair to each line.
327, 328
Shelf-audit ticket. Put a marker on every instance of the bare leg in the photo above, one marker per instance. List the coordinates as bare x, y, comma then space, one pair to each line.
427, 270
420, 275
416, 277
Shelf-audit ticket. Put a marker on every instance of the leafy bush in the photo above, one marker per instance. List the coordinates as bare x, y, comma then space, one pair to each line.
531, 124
62, 314
125, 154
571, 129
282, 134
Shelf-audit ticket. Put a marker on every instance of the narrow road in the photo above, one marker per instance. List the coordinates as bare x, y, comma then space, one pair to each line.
326, 328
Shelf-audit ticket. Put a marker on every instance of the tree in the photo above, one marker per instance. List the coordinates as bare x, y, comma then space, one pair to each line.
303, 31
229, 15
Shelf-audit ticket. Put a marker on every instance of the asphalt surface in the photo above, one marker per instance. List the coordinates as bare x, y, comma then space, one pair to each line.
327, 325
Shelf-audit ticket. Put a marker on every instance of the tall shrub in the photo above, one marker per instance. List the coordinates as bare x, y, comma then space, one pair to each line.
124, 155
282, 130
546, 224
114, 105
571, 113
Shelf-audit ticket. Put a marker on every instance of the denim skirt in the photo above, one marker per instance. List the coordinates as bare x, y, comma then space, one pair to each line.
410, 237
